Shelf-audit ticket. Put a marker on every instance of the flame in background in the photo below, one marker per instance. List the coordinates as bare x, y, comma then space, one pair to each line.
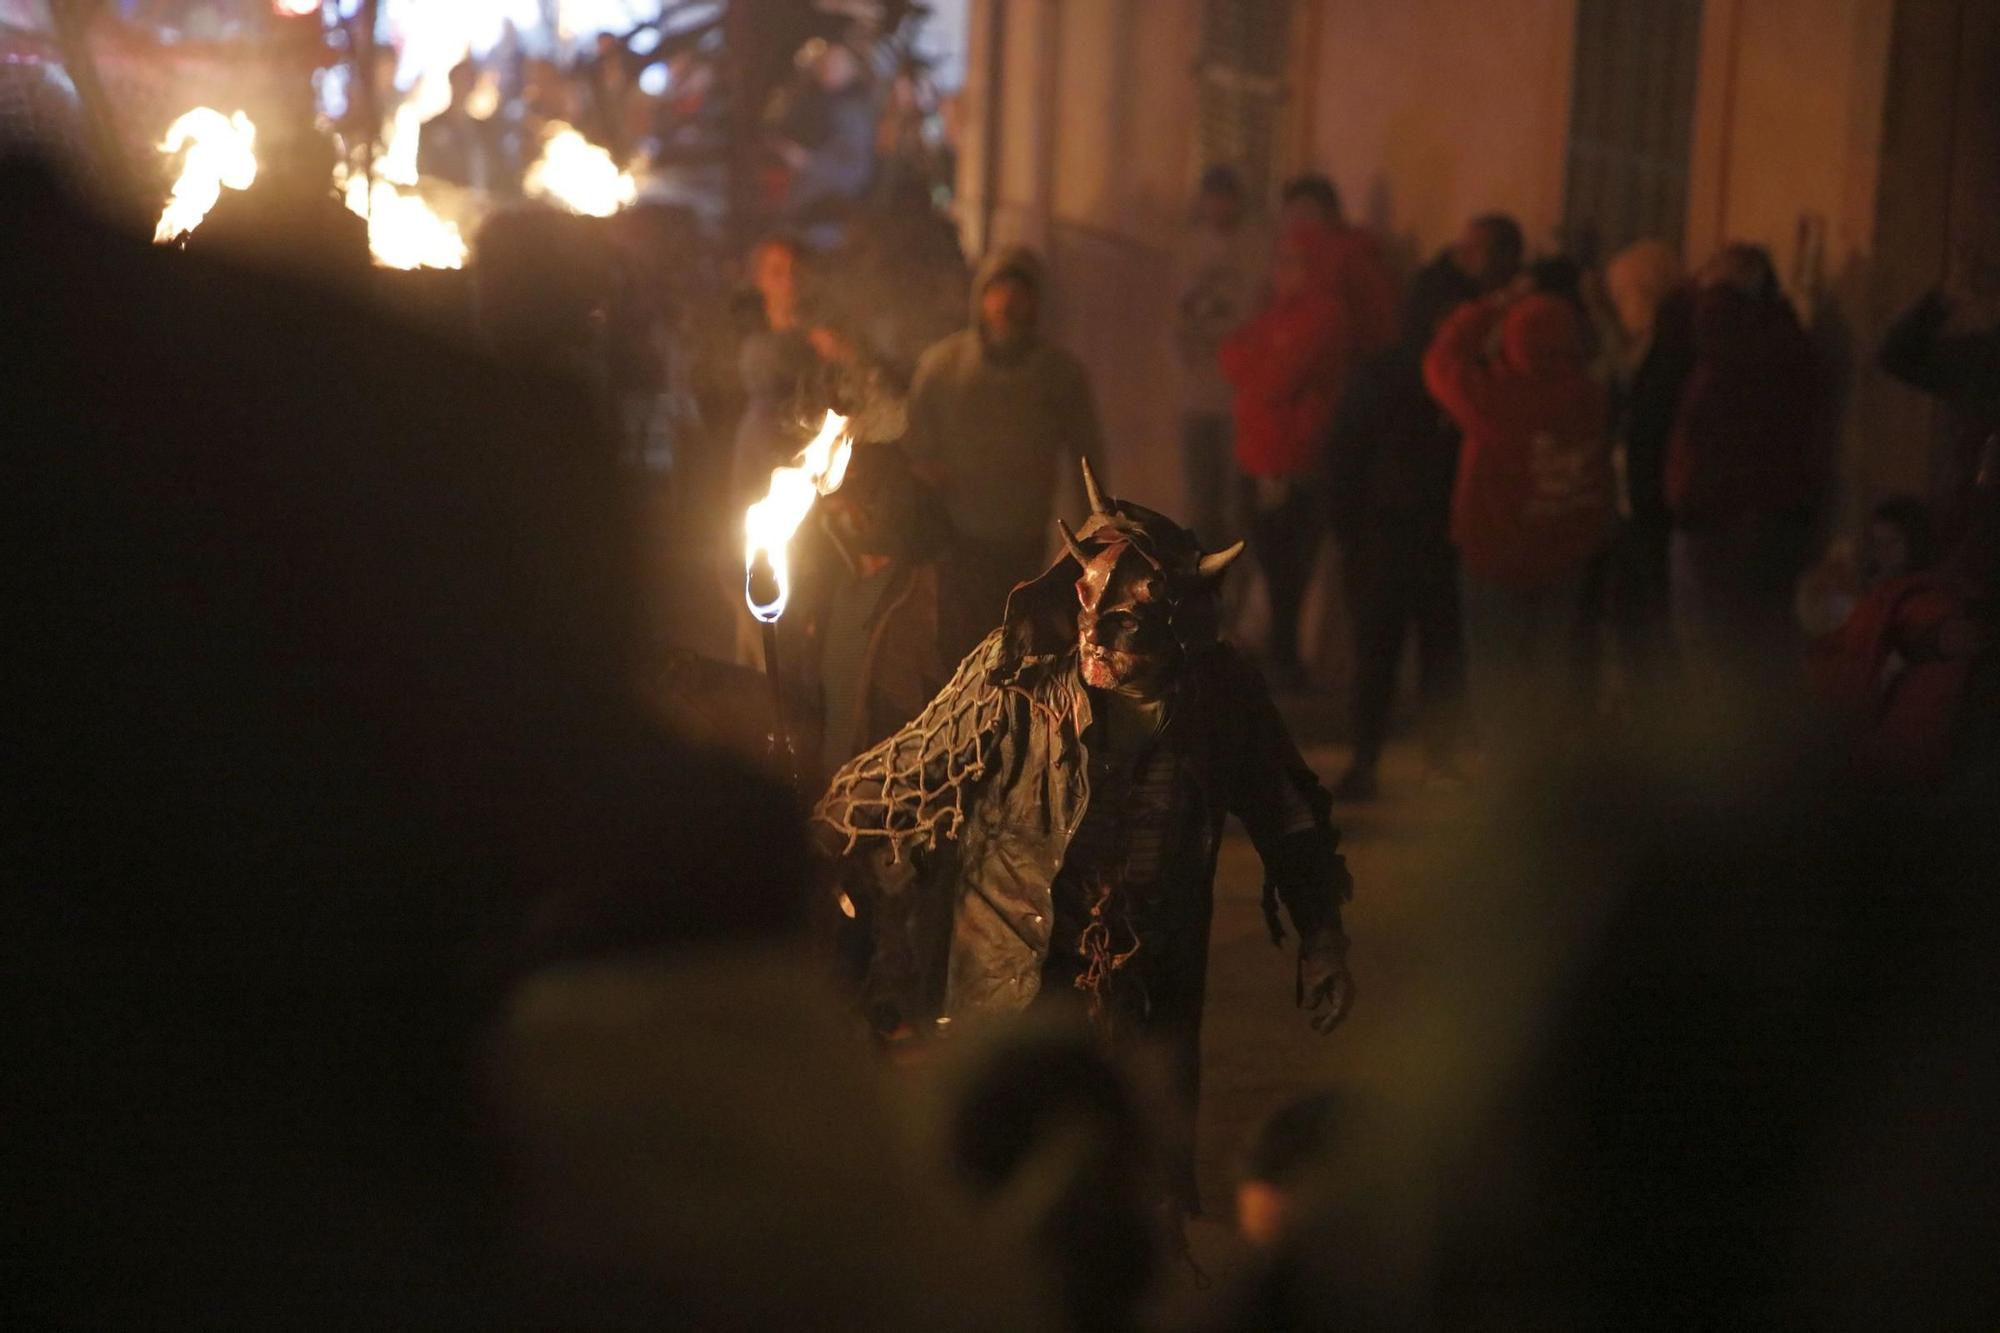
404, 231
220, 153
578, 175
768, 525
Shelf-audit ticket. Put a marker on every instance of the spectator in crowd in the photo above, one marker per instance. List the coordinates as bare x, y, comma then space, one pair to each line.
1558, 275
996, 410
1533, 497
1561, 276
1894, 671
880, 632
1311, 198
899, 277
614, 110
1901, 539
543, 284
1286, 366
289, 220
1393, 461
779, 365
457, 146
1356, 267
1653, 353
1948, 346
1284, 1155
1896, 541
1219, 282
828, 139
1485, 258
546, 97
1745, 467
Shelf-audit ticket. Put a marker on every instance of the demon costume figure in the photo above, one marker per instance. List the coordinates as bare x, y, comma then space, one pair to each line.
1049, 825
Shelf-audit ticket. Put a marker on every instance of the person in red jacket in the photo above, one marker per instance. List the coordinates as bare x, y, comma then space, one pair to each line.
1533, 499
1908, 677
1746, 465
1287, 367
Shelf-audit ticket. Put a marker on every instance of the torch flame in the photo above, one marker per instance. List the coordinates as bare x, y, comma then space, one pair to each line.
578, 175
219, 153
768, 525
403, 231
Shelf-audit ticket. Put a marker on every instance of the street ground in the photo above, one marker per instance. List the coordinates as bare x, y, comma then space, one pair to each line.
1258, 1051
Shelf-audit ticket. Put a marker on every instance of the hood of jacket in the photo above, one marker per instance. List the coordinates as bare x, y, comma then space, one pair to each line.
1542, 336
1014, 260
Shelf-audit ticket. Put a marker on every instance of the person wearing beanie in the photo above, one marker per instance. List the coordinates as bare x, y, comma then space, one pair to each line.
996, 411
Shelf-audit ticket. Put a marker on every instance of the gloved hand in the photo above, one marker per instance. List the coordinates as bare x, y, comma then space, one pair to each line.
1325, 986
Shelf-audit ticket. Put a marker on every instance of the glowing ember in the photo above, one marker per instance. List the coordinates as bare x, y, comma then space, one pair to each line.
578, 175
769, 524
220, 153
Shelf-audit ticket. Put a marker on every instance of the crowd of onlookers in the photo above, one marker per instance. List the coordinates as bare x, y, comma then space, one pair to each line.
1581, 487
853, 118
1588, 490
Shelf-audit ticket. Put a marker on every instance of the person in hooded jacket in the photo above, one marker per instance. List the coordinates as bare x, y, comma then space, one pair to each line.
1287, 366
995, 410
1532, 504
1745, 467
1392, 459
1355, 266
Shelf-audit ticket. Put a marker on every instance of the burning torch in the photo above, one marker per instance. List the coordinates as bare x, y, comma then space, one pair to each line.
768, 526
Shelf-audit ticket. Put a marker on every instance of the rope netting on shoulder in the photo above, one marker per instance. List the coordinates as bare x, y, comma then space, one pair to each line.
911, 789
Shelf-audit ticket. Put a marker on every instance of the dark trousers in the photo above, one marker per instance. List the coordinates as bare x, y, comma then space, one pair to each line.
1626, 590
1285, 534
1732, 596
1398, 576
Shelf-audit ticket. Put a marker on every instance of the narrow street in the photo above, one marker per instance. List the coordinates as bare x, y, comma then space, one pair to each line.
1258, 1051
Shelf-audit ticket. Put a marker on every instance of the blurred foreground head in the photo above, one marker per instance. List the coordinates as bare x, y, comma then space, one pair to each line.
1280, 1164
1046, 1123
321, 640
1713, 1050
42, 122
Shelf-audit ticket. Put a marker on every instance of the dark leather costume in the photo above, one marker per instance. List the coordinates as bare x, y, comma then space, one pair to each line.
983, 834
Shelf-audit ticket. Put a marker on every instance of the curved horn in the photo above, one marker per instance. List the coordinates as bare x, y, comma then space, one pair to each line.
1098, 504
1211, 566
1069, 540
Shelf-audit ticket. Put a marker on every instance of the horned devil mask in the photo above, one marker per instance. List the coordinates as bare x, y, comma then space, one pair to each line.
1146, 594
